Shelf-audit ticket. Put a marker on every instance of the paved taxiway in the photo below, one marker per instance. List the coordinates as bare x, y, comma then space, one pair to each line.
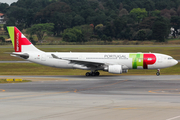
91, 98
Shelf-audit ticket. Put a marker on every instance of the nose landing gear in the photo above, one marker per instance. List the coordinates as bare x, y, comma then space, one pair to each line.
93, 73
158, 72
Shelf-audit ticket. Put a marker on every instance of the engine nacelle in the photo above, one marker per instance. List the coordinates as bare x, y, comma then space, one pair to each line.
115, 69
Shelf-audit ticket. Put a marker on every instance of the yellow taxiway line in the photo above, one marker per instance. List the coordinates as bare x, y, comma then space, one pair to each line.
2, 90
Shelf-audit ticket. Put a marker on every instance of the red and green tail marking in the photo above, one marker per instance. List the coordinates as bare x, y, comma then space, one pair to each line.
17, 38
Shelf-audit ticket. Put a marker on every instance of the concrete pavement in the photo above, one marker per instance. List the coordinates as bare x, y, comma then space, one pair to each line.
87, 98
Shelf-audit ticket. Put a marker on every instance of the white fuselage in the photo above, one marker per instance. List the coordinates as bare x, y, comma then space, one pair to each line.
45, 58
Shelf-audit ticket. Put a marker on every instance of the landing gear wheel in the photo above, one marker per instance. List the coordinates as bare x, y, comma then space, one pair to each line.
97, 73
158, 73
92, 74
88, 74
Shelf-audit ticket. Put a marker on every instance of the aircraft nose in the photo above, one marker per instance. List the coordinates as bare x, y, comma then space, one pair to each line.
175, 62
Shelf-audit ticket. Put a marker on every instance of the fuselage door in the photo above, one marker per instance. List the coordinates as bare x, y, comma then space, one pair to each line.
159, 59
43, 57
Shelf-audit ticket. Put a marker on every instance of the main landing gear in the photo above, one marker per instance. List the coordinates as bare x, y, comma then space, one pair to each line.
158, 72
94, 73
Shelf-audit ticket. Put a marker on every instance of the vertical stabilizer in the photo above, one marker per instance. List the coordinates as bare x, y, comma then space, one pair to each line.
20, 42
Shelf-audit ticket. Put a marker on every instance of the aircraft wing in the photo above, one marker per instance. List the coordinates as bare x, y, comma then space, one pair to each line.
82, 62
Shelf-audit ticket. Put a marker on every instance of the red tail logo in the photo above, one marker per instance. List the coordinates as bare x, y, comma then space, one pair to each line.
20, 40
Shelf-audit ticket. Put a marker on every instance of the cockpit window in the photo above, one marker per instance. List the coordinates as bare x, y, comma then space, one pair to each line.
170, 58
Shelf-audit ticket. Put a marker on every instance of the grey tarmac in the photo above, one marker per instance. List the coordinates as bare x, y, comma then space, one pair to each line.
91, 98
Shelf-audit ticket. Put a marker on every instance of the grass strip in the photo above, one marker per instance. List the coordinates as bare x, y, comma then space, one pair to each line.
36, 69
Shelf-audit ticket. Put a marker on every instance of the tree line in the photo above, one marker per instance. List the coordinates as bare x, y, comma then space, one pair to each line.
84, 20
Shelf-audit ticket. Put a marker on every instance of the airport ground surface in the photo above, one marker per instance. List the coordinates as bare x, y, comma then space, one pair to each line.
91, 98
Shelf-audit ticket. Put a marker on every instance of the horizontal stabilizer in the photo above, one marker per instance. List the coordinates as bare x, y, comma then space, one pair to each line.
21, 55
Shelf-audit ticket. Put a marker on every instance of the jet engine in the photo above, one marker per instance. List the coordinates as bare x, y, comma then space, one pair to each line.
115, 69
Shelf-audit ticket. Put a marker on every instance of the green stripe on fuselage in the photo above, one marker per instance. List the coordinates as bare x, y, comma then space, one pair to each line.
137, 60
11, 33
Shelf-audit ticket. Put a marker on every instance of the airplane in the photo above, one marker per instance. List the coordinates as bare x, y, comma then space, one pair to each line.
115, 63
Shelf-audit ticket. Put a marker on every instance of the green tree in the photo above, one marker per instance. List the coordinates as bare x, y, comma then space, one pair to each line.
138, 14
109, 30
110, 5
105, 38
10, 22
120, 25
161, 29
97, 19
175, 23
78, 20
46, 14
35, 5
93, 4
87, 32
2, 39
143, 34
149, 5
78, 5
162, 4
40, 30
99, 30
18, 13
57, 13
155, 13
61, 22
73, 35
3, 7
17, 16
88, 12
147, 23
123, 12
